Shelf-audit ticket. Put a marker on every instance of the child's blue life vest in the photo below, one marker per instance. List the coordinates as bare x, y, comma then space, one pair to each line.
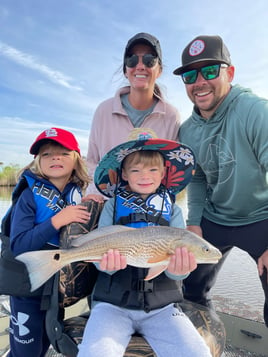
49, 201
133, 211
14, 279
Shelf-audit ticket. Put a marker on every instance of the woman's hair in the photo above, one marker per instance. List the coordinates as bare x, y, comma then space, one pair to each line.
145, 157
79, 175
157, 91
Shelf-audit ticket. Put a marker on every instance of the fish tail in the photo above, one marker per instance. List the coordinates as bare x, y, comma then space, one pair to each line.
41, 265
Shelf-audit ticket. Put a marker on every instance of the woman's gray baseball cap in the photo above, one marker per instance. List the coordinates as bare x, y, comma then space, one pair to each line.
204, 48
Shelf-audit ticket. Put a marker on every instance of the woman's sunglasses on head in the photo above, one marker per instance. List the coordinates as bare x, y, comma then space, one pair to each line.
148, 60
207, 72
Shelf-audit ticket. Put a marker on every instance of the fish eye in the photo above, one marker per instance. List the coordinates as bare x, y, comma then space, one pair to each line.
205, 249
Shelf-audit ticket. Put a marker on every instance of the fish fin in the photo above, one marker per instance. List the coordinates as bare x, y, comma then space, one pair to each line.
158, 258
155, 271
41, 265
99, 232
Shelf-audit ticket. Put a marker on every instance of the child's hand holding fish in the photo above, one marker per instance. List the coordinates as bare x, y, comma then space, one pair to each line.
182, 262
70, 214
112, 261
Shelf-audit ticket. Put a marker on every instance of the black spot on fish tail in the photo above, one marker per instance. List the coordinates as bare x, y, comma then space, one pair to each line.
56, 256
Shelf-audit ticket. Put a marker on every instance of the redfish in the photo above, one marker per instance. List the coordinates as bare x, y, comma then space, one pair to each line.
148, 247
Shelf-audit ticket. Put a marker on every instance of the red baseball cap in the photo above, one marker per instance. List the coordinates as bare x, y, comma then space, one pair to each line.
61, 136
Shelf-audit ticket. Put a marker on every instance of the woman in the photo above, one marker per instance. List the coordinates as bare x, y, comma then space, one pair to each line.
140, 104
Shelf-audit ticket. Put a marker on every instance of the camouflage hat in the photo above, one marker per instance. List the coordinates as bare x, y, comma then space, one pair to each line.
179, 161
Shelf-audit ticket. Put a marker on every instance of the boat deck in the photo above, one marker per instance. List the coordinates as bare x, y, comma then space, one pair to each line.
229, 352
246, 334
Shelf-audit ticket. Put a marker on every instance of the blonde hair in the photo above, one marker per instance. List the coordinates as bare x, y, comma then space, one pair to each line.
145, 157
79, 175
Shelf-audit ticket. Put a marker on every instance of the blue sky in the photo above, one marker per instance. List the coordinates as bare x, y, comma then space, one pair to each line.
60, 58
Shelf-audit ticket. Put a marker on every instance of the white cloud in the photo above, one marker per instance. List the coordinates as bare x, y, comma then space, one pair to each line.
31, 62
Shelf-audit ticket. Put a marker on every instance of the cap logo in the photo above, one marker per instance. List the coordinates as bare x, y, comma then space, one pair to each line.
144, 136
51, 133
196, 48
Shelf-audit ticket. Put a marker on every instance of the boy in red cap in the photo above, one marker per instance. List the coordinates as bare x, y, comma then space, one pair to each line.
54, 180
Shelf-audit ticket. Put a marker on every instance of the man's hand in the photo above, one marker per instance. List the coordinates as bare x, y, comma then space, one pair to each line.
195, 229
263, 263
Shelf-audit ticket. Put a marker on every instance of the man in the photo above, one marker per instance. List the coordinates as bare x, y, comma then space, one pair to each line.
228, 196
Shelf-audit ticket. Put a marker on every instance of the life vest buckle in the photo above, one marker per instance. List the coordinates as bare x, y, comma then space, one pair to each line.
146, 286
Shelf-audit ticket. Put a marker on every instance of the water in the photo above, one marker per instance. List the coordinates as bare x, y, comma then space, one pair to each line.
237, 285
238, 289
